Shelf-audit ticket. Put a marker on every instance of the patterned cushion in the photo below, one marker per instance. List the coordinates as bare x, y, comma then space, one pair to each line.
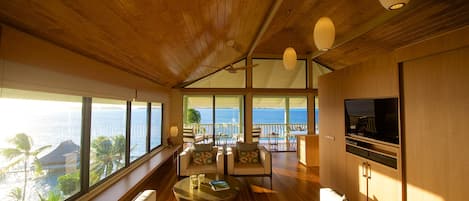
203, 157
249, 156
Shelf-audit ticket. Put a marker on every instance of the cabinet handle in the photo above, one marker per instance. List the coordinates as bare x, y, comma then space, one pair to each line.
369, 169
363, 169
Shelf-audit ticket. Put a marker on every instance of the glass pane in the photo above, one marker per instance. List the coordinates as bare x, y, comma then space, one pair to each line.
48, 127
269, 114
156, 124
138, 129
226, 78
318, 70
298, 115
316, 114
270, 73
228, 118
198, 114
108, 125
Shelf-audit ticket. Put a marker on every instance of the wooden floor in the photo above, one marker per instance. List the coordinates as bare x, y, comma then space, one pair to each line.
290, 181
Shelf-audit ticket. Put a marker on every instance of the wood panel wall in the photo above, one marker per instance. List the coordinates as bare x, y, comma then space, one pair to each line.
375, 78
436, 103
438, 99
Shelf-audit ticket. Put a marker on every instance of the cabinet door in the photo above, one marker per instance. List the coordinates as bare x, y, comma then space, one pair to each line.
383, 183
331, 132
355, 180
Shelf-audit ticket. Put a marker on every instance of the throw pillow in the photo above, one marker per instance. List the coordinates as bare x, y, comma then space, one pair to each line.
246, 146
203, 157
249, 157
202, 147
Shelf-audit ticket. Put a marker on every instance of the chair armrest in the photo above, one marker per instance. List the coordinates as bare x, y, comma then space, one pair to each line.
230, 162
220, 161
184, 161
266, 160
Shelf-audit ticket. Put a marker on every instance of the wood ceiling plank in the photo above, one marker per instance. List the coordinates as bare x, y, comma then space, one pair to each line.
174, 42
424, 19
164, 41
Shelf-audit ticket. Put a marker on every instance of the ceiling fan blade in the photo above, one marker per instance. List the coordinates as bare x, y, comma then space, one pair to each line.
244, 67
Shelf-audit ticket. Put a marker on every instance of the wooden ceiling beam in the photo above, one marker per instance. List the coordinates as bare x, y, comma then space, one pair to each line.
365, 28
265, 26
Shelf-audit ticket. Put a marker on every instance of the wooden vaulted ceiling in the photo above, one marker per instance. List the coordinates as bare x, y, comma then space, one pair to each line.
173, 42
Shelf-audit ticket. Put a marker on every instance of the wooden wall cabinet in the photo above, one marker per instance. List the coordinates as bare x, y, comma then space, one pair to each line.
370, 181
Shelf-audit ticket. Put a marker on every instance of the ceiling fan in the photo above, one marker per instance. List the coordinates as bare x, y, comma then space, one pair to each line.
231, 69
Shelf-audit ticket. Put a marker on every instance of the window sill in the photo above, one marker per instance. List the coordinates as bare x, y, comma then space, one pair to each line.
131, 178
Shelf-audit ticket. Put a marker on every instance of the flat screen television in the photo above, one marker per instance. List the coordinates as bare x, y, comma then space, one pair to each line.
373, 118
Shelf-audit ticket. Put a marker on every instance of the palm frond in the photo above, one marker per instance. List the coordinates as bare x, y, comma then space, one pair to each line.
11, 153
16, 193
5, 169
39, 150
37, 167
22, 142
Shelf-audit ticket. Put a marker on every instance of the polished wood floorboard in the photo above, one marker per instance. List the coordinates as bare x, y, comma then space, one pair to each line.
290, 181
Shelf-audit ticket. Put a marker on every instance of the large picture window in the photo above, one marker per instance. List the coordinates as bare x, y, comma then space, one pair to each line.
40, 145
231, 76
108, 128
138, 129
218, 119
156, 124
42, 141
280, 119
270, 73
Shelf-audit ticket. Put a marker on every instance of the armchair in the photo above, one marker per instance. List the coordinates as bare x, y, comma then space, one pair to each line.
190, 162
237, 165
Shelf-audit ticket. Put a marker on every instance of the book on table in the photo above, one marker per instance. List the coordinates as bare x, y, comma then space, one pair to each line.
219, 185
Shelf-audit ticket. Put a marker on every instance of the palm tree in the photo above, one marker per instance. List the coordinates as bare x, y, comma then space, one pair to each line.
16, 194
51, 196
108, 155
22, 152
193, 116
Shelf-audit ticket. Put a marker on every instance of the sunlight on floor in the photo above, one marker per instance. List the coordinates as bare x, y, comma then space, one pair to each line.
260, 189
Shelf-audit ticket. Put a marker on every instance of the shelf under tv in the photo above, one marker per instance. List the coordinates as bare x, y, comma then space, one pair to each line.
384, 153
369, 140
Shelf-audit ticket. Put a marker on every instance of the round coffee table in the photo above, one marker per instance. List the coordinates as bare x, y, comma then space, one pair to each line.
184, 191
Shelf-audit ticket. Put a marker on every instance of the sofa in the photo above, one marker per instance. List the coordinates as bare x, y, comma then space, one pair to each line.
249, 159
201, 158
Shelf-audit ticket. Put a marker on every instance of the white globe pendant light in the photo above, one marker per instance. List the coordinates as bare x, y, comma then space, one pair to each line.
324, 34
289, 58
393, 4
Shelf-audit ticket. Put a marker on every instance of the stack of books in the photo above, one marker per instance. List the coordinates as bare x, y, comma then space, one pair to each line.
219, 185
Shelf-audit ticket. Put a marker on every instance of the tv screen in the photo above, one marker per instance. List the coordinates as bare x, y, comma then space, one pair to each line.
373, 118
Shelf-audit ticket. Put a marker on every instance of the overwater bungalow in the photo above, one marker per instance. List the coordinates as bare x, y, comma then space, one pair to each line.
64, 158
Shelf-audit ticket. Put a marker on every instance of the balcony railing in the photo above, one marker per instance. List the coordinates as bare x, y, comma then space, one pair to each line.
230, 133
